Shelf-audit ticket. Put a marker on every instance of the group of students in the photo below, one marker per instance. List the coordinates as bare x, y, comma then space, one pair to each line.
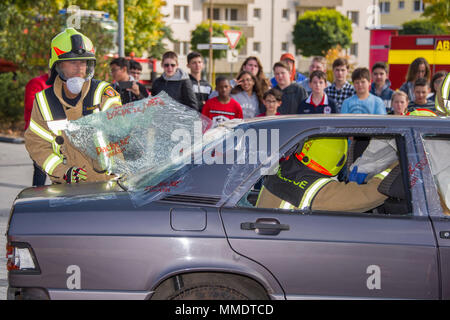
251, 94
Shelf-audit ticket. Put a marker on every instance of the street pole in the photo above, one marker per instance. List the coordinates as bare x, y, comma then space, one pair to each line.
121, 34
271, 34
210, 41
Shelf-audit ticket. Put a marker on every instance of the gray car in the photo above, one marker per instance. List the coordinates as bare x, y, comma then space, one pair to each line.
197, 233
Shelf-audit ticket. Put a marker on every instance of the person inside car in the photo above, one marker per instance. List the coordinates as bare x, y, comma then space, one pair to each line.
304, 181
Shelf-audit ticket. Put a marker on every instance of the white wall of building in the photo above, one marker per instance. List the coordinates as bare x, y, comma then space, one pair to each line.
269, 41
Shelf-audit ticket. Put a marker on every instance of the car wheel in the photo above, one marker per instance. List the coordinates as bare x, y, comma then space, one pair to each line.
208, 292
210, 286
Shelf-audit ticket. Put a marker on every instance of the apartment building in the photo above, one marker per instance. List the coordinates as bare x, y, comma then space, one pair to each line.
267, 25
396, 12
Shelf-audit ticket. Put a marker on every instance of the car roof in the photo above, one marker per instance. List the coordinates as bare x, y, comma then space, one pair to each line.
387, 121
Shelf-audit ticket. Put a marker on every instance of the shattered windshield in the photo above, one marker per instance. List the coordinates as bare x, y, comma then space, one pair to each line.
144, 142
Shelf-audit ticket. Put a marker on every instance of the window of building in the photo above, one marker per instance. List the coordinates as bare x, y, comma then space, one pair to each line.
354, 49
418, 5
216, 14
285, 14
257, 13
401, 4
181, 13
297, 14
284, 46
257, 47
231, 14
385, 7
354, 16
181, 48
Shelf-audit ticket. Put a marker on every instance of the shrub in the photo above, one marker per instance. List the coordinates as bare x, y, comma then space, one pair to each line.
12, 95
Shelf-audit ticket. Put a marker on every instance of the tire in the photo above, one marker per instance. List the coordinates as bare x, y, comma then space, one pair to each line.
208, 292
210, 286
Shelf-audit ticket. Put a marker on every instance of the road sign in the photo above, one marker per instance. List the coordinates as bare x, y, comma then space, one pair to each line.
215, 46
222, 40
233, 37
232, 56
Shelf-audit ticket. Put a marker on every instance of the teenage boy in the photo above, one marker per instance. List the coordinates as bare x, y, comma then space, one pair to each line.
381, 86
318, 101
340, 89
223, 107
272, 100
293, 93
317, 63
135, 69
295, 76
202, 88
421, 90
175, 81
127, 86
363, 101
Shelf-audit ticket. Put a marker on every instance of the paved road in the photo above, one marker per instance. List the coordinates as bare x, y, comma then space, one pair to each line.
16, 171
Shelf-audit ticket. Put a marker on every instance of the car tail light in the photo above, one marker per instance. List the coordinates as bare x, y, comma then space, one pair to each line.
20, 257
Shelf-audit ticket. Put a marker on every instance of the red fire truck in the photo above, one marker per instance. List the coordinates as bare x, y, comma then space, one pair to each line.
401, 50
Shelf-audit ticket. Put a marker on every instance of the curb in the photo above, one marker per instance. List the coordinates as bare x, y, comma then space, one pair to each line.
12, 140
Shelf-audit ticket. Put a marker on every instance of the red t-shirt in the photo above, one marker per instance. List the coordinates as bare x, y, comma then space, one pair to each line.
34, 86
264, 114
219, 112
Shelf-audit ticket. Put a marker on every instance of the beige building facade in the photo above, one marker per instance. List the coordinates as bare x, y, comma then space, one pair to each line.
396, 12
267, 25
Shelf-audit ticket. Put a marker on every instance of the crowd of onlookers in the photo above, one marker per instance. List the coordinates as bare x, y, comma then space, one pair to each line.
252, 94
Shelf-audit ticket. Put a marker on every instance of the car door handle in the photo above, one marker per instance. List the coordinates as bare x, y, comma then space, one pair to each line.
254, 225
265, 226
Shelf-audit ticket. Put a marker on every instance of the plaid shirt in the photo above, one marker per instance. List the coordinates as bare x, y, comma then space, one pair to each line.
340, 95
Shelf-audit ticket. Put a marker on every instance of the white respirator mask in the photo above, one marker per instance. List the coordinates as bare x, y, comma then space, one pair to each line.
75, 84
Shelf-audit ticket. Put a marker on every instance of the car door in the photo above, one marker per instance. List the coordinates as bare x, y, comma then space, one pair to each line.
433, 150
340, 254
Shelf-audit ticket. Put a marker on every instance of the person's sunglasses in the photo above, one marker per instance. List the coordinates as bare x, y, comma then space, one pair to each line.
166, 65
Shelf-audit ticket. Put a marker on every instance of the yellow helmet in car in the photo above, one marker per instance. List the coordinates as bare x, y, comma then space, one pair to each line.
423, 112
324, 155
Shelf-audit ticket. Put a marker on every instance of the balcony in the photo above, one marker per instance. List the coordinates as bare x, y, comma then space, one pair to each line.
227, 2
247, 30
318, 3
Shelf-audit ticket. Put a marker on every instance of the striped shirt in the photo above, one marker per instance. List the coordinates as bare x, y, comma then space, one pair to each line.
339, 95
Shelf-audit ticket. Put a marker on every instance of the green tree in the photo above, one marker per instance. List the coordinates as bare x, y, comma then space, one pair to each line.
143, 21
26, 30
12, 91
318, 31
439, 12
157, 50
201, 35
421, 26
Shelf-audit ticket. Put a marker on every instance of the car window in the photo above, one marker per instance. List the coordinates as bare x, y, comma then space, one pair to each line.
437, 150
311, 177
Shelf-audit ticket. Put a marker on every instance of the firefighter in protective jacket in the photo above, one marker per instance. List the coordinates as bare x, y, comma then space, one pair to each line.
305, 181
74, 94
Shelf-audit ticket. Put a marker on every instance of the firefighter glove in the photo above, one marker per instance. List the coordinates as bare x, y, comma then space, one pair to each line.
75, 175
356, 176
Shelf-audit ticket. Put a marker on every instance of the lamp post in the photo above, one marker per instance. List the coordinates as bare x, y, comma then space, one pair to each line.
121, 34
210, 41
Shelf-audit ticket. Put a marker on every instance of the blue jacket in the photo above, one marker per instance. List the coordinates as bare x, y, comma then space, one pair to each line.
386, 92
298, 78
